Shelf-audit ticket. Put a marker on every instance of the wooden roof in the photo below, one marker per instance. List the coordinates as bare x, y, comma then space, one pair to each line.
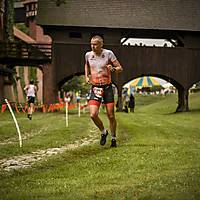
131, 14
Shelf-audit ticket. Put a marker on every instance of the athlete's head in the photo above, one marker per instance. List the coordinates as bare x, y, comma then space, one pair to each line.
31, 81
96, 43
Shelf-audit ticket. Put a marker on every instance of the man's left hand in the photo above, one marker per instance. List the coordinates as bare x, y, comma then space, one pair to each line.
111, 68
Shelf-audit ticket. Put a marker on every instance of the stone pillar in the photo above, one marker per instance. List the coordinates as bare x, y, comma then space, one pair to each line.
120, 103
116, 80
1, 89
182, 100
40, 85
9, 92
50, 90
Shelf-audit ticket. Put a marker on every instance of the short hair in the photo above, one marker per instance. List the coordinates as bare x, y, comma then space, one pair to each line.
31, 81
97, 37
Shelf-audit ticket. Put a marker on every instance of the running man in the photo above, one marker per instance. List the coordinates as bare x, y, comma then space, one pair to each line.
100, 63
31, 91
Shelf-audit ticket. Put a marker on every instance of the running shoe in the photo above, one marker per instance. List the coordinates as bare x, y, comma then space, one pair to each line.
103, 138
113, 143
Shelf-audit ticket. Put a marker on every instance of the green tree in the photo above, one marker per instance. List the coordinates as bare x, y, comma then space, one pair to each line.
75, 84
156, 88
22, 27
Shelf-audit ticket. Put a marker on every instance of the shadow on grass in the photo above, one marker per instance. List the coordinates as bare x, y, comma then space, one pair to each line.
196, 110
72, 112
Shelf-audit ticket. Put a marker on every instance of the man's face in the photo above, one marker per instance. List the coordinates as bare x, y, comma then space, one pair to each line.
96, 45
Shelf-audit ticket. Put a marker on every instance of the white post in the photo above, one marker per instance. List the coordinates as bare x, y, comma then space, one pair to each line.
79, 109
20, 137
67, 114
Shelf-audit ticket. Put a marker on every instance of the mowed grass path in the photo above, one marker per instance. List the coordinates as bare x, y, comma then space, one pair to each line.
157, 155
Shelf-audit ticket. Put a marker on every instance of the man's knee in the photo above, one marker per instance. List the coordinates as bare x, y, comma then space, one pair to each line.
111, 116
93, 115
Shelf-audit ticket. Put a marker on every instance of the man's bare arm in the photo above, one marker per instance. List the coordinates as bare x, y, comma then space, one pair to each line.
87, 79
117, 67
26, 87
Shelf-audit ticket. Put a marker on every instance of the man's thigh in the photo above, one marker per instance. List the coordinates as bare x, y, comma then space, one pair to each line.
94, 109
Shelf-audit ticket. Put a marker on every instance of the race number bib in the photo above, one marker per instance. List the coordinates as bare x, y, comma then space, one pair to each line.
98, 92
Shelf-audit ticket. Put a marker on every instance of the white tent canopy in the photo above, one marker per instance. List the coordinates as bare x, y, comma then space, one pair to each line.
167, 85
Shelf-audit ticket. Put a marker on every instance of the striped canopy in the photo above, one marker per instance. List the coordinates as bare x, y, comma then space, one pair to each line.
145, 81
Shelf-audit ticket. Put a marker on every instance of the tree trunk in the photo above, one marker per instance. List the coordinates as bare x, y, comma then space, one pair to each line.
9, 20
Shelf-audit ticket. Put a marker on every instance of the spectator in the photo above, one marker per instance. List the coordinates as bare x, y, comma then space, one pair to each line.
126, 100
132, 103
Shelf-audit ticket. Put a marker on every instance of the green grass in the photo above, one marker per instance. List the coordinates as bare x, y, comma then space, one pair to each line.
157, 155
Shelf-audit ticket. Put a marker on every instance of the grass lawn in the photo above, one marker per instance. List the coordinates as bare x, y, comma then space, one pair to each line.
157, 155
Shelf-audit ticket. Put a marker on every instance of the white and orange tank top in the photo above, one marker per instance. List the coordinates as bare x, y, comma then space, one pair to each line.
31, 91
100, 75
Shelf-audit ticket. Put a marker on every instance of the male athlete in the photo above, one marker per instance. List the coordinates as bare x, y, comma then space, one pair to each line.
31, 91
100, 63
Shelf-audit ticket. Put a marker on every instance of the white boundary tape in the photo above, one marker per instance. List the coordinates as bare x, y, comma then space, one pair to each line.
20, 137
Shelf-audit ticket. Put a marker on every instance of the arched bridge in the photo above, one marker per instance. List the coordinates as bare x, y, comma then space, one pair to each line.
180, 66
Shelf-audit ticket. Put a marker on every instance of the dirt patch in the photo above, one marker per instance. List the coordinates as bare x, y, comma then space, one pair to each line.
27, 160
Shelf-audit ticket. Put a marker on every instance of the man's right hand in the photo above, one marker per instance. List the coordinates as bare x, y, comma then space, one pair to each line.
87, 80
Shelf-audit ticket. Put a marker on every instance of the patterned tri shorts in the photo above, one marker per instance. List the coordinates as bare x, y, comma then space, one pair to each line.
101, 93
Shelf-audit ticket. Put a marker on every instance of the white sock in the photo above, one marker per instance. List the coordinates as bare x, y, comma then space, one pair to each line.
104, 131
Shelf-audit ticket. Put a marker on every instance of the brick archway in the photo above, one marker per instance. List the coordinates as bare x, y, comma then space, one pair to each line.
180, 65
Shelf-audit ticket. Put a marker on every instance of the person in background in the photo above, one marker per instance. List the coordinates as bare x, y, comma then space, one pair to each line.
78, 98
132, 103
60, 100
31, 92
117, 106
126, 100
67, 98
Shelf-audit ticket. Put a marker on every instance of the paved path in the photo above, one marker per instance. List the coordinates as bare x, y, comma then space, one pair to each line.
27, 160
